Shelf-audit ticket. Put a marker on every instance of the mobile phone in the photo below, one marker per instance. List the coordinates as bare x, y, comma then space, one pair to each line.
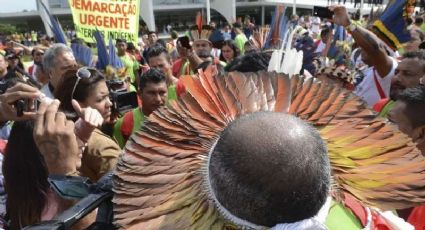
184, 42
322, 12
30, 105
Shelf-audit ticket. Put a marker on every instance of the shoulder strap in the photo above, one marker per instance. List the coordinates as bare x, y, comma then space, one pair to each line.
380, 105
378, 86
180, 88
127, 125
369, 218
358, 210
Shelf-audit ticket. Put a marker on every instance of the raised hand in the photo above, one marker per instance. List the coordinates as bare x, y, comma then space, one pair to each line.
19, 91
55, 138
341, 16
89, 119
89, 115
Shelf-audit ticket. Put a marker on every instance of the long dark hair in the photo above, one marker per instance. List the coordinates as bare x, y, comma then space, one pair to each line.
82, 91
25, 177
232, 45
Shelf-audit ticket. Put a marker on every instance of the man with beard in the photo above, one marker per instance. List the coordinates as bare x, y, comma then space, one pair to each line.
407, 75
408, 113
201, 52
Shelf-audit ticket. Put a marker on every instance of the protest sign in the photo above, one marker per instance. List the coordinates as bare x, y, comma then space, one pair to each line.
116, 18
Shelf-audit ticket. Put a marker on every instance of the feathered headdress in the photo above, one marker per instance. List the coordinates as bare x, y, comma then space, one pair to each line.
259, 37
82, 54
109, 62
200, 33
159, 179
277, 29
391, 25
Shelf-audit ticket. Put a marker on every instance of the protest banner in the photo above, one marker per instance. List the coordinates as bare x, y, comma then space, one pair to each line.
116, 18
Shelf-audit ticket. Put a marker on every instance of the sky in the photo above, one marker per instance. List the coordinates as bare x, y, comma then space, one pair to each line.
8, 6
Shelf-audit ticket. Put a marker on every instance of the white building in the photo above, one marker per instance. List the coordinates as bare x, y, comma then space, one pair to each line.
157, 14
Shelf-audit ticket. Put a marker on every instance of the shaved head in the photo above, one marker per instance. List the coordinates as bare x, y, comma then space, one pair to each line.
269, 168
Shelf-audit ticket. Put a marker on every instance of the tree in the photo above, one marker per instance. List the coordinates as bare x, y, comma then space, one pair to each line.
7, 29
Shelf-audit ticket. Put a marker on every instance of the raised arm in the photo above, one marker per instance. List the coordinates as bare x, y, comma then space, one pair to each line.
369, 42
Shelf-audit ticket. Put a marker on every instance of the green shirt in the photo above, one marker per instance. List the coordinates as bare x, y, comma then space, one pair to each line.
384, 112
172, 93
138, 119
340, 217
131, 64
240, 41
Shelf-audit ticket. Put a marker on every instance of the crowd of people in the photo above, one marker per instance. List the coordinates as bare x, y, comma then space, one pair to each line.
57, 115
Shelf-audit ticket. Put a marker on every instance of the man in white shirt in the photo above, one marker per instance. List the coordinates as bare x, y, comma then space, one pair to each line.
376, 83
374, 87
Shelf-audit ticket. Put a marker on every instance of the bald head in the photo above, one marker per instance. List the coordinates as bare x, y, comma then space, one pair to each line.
269, 168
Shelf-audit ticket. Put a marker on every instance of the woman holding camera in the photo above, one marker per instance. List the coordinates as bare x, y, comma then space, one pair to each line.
36, 149
84, 96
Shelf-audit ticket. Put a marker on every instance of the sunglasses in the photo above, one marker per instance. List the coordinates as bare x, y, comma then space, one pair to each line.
83, 72
39, 54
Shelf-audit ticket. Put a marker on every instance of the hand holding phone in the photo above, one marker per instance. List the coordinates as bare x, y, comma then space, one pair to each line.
341, 16
184, 42
323, 12
20, 91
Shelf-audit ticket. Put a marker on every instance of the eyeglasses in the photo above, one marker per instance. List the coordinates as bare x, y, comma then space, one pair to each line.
83, 72
39, 54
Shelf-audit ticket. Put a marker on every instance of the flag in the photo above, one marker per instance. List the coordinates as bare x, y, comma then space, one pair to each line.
278, 27
102, 53
54, 26
114, 60
82, 54
391, 25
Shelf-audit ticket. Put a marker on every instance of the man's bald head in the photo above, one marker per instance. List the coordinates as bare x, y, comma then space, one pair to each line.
269, 168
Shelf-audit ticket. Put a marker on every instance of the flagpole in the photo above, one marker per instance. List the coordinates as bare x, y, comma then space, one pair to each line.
208, 11
294, 8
